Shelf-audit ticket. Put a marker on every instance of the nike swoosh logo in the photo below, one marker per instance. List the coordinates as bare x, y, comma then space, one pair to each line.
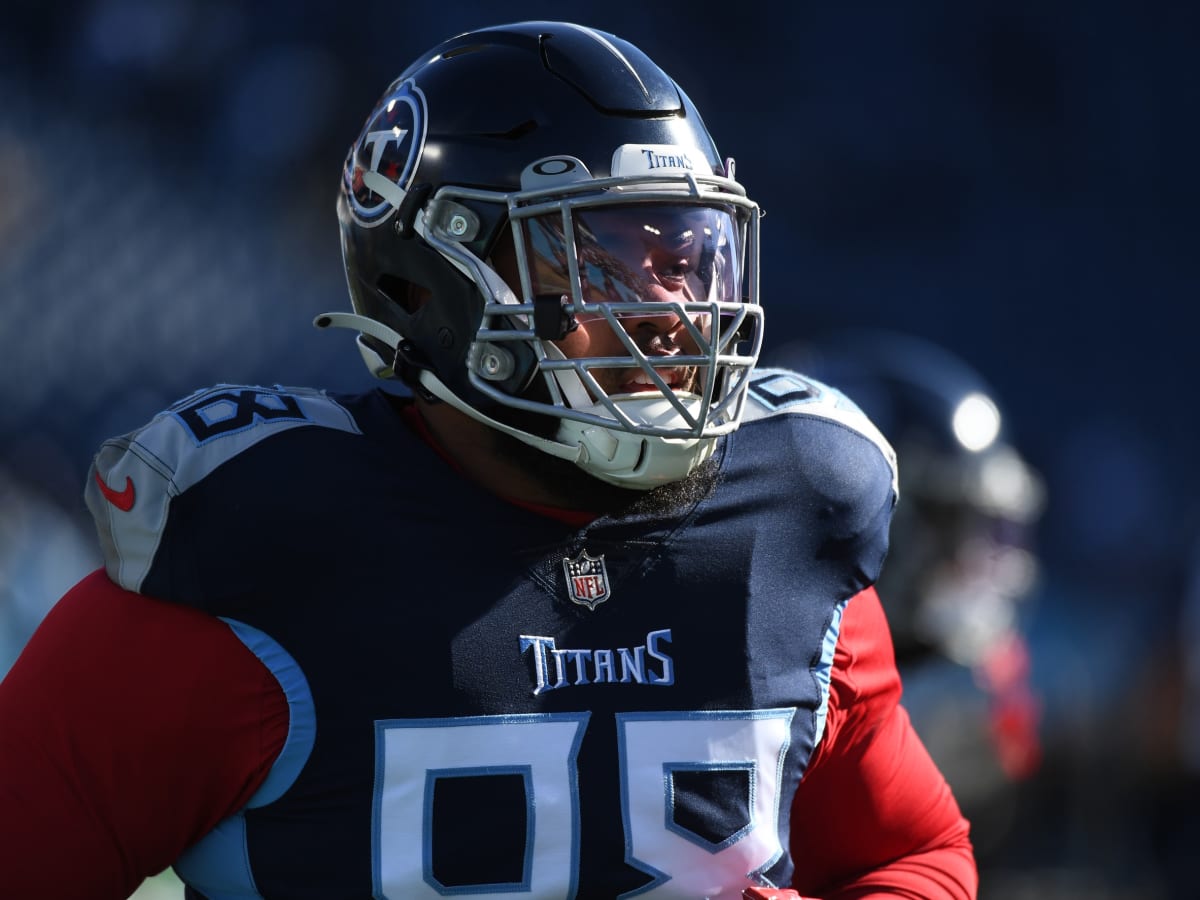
123, 499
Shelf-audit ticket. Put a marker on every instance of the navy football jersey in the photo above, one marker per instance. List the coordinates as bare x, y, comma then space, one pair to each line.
483, 699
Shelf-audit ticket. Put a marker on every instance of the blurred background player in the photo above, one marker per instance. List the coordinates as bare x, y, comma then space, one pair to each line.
962, 559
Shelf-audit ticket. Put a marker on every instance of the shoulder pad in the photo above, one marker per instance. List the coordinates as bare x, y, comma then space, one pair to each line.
782, 392
134, 478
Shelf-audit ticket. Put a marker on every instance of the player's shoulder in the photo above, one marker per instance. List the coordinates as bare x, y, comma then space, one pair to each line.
782, 395
134, 478
775, 392
197, 434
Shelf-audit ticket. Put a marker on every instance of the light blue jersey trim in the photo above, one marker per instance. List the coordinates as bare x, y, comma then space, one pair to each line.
218, 865
177, 450
302, 719
824, 669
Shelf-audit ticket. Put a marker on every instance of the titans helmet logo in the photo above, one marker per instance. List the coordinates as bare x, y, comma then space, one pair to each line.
385, 157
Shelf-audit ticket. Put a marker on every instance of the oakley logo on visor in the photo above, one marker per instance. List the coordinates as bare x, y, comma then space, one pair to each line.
553, 171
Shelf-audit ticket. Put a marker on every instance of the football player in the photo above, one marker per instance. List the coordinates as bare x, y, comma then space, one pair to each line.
587, 611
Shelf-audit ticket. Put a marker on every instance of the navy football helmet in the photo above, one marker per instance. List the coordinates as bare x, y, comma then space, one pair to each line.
520, 182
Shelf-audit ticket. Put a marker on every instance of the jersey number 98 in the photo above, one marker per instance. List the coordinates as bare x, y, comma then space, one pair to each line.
663, 757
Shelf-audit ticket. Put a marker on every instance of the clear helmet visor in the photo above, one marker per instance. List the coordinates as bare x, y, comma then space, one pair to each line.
630, 256
642, 285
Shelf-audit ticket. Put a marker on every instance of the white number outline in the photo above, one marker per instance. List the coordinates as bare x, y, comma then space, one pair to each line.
651, 747
722, 739
505, 744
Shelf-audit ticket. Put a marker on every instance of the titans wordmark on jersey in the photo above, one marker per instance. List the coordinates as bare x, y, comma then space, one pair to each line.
465, 719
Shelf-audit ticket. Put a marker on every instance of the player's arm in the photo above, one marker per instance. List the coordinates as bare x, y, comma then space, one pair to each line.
128, 729
873, 816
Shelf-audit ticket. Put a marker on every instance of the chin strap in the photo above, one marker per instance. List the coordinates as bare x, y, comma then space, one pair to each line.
433, 384
612, 455
617, 456
634, 460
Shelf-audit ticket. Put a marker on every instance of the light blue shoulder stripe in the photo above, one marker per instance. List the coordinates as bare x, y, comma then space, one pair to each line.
218, 865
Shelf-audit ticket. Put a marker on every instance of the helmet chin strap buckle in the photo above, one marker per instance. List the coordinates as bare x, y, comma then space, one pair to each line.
407, 363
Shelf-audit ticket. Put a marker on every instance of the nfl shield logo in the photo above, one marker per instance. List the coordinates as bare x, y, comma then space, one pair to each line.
587, 579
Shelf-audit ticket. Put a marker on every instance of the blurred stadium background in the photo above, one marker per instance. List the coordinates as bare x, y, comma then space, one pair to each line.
1015, 181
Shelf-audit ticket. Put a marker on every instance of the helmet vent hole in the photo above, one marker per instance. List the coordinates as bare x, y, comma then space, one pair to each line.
403, 293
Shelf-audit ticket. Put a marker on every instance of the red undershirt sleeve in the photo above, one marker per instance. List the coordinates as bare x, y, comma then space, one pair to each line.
129, 728
873, 816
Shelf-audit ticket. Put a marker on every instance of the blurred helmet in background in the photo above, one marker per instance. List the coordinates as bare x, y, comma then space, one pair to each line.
961, 561
962, 541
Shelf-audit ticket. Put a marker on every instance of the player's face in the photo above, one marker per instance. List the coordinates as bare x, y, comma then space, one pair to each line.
644, 262
658, 337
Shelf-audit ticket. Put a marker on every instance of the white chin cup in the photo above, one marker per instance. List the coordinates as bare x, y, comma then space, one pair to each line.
634, 460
